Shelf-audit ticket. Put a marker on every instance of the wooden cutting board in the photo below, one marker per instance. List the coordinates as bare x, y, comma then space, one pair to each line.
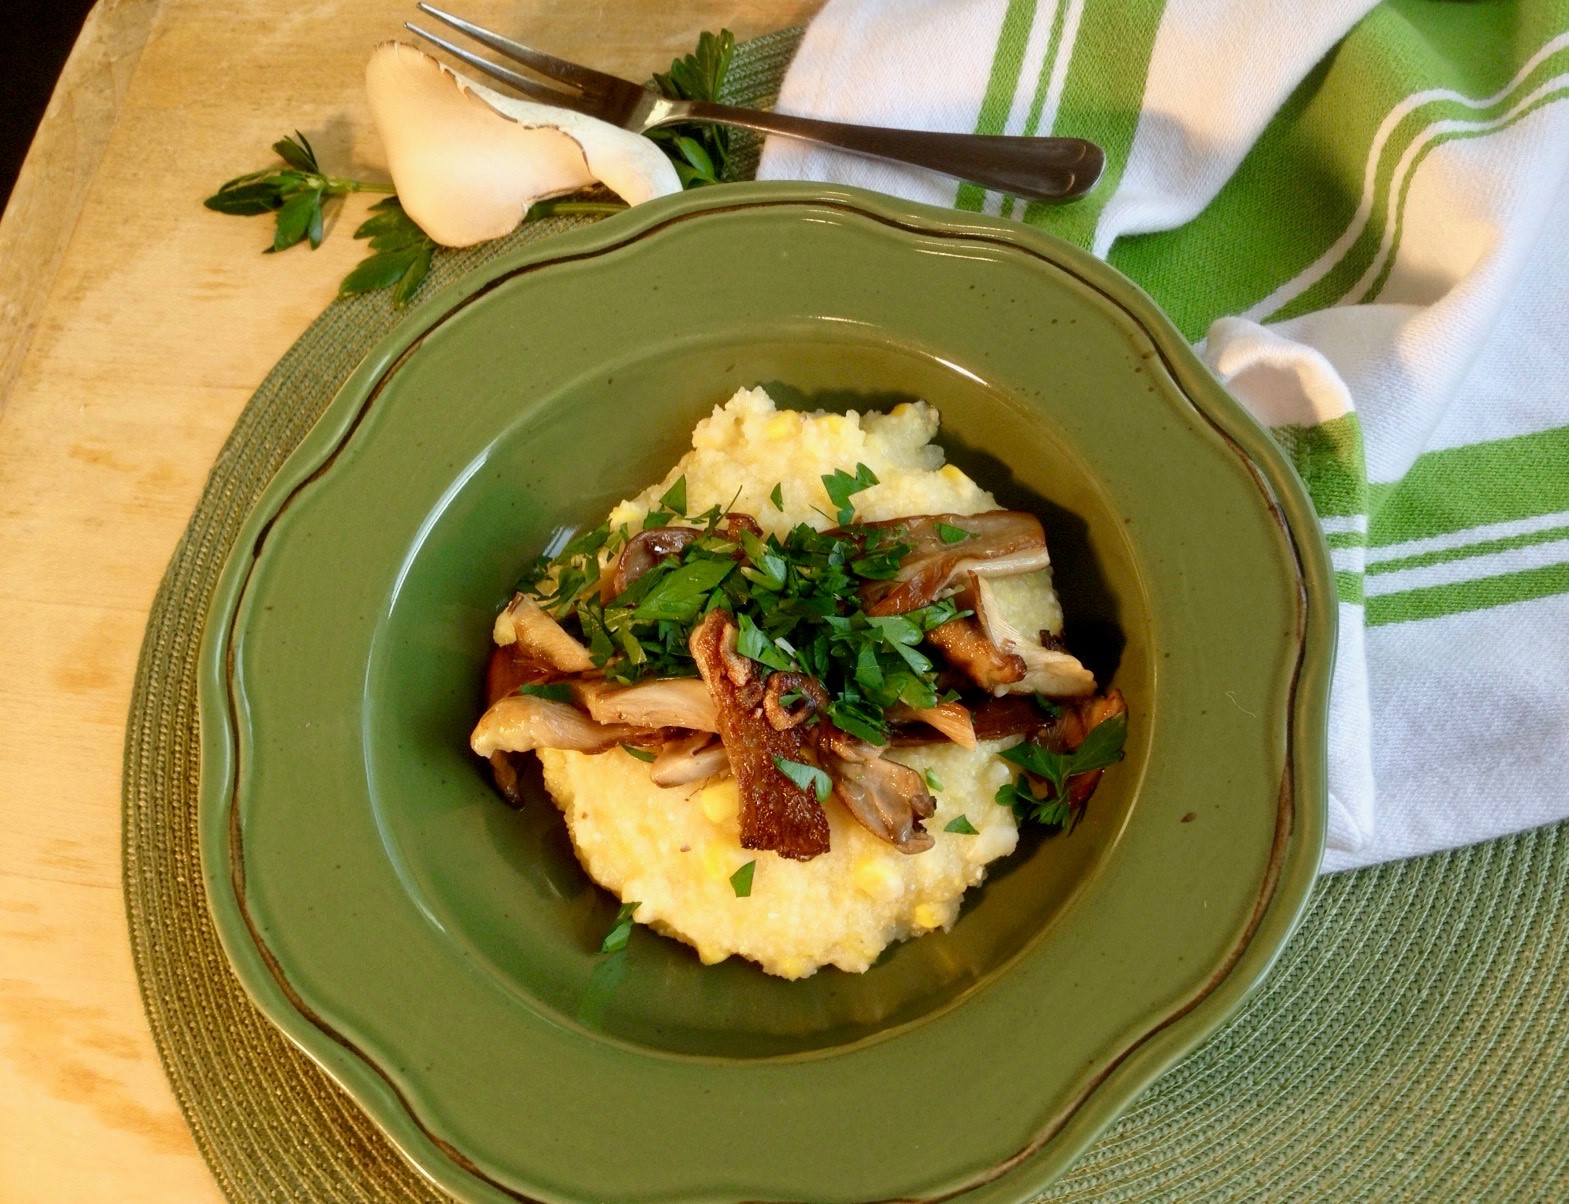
134, 325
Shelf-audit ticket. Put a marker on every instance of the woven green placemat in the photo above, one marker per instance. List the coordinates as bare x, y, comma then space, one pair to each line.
1412, 1043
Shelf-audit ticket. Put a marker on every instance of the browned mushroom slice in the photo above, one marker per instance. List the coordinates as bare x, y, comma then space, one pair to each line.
735, 522
888, 799
1050, 671
1065, 731
950, 719
511, 667
689, 759
1010, 715
524, 723
776, 813
539, 637
661, 702
504, 768
991, 718
965, 646
998, 543
1091, 714
642, 552
791, 698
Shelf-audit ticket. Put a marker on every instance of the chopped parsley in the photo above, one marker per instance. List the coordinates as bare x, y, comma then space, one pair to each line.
807, 777
741, 880
796, 600
962, 825
952, 534
616, 939
639, 754
841, 486
674, 498
553, 691
932, 783
777, 496
1102, 747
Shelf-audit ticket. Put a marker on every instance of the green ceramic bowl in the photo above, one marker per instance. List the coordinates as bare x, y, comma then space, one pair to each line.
436, 952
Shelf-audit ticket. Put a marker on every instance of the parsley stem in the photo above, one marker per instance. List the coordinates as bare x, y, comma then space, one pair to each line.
552, 208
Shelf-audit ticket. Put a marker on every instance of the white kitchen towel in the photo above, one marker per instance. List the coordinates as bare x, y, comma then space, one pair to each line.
1360, 215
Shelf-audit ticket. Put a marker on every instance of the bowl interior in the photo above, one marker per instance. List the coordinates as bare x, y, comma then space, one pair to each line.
506, 883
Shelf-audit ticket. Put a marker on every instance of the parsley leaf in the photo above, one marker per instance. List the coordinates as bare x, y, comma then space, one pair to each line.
752, 642
674, 498
962, 825
777, 496
616, 939
807, 777
1102, 747
638, 754
400, 257
841, 486
932, 783
951, 534
741, 880
553, 691
699, 150
680, 593
299, 192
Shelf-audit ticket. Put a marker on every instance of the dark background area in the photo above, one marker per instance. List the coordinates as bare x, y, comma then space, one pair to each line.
35, 38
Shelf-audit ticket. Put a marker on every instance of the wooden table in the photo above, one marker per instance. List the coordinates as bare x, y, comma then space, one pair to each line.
134, 324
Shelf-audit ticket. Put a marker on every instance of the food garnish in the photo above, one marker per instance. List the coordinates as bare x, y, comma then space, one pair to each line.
621, 930
793, 663
741, 880
472, 163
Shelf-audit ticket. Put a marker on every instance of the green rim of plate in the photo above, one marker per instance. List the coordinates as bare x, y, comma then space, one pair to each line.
1300, 832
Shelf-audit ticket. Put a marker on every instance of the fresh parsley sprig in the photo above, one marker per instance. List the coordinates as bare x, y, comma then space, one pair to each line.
298, 192
1102, 748
400, 257
699, 150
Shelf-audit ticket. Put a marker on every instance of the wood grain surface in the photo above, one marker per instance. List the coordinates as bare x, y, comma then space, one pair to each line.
134, 324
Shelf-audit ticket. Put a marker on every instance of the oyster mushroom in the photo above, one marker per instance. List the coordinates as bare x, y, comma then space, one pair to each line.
888, 799
964, 645
997, 543
468, 162
662, 702
689, 759
810, 697
951, 719
539, 637
1048, 671
642, 552
524, 723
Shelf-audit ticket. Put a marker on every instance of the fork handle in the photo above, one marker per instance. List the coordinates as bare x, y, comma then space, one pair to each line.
1045, 169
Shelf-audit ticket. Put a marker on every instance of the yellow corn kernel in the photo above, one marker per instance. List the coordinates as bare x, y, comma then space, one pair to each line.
927, 916
952, 472
875, 877
782, 425
720, 802
716, 862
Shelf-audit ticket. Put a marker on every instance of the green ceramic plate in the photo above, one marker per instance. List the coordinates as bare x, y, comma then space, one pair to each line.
436, 951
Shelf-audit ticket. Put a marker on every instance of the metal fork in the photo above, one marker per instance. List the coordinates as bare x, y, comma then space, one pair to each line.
1047, 169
